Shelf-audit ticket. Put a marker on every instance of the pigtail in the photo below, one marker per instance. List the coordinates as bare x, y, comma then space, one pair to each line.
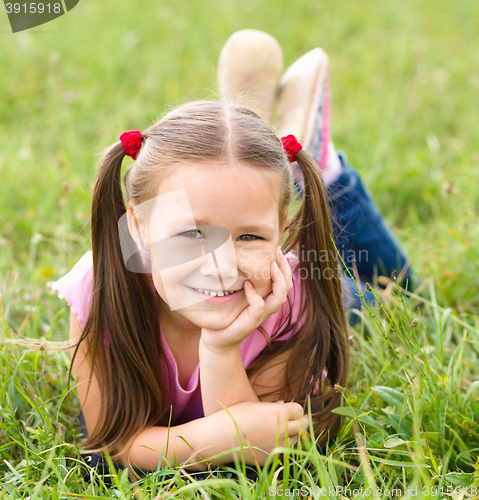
324, 335
323, 342
124, 315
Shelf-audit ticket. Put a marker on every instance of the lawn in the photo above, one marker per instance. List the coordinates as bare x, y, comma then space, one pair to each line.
405, 80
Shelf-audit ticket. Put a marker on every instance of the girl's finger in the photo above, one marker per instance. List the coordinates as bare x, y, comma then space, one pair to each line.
295, 427
305, 422
285, 268
294, 411
292, 440
294, 437
255, 301
278, 295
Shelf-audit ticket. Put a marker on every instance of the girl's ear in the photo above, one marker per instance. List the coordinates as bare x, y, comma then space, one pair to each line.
283, 224
136, 227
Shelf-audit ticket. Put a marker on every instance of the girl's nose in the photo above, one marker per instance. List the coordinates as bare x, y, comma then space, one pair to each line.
222, 263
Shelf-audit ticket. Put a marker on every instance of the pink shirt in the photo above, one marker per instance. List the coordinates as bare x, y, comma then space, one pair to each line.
76, 288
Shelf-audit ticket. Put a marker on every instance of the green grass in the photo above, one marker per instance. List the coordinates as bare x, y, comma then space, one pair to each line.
405, 78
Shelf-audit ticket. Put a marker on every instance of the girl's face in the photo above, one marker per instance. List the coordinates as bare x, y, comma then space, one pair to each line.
234, 209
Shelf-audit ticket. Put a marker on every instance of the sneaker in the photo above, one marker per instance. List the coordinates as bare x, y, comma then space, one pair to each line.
304, 104
249, 69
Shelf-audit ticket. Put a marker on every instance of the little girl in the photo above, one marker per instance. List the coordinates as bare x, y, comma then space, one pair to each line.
216, 305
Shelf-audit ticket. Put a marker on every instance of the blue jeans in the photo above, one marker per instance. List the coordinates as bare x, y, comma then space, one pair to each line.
362, 238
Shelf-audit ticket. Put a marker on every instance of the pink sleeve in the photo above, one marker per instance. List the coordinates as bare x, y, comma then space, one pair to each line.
76, 287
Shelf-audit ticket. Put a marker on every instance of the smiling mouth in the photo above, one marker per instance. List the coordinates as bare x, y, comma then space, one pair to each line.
213, 293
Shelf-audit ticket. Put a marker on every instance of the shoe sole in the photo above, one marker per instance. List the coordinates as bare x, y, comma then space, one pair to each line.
249, 68
299, 95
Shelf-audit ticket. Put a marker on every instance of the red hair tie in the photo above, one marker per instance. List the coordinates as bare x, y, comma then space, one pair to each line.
291, 146
131, 142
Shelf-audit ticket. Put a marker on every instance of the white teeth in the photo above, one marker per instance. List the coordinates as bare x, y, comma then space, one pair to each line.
213, 294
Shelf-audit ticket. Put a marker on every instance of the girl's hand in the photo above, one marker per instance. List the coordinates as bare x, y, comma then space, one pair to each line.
257, 311
266, 426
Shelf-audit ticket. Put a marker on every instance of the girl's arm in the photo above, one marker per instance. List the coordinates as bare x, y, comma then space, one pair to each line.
269, 380
223, 378
228, 374
261, 427
81, 368
264, 425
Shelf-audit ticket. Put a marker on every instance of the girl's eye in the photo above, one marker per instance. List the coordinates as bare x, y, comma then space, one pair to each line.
248, 237
193, 233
